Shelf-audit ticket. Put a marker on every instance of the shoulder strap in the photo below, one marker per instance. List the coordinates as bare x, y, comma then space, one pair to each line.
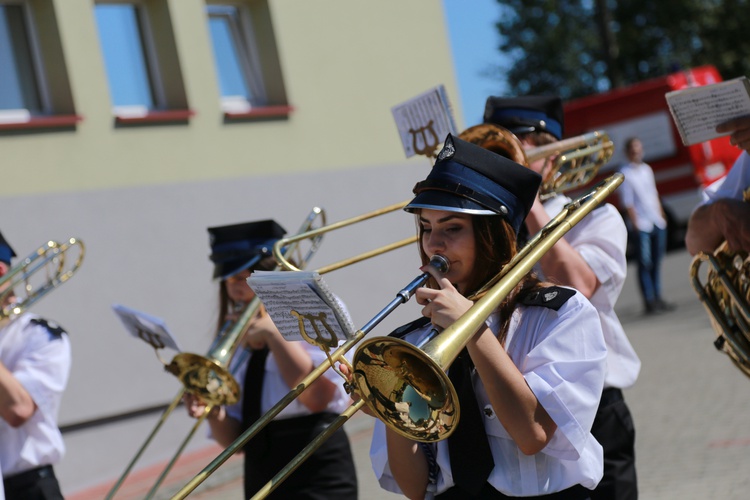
552, 297
402, 331
52, 327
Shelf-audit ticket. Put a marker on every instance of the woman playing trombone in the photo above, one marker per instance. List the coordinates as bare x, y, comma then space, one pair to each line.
275, 366
533, 373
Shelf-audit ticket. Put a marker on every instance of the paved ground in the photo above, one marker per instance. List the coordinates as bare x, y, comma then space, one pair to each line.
689, 406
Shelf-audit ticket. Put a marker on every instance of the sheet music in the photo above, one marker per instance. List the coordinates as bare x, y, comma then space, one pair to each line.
150, 329
301, 298
424, 121
698, 110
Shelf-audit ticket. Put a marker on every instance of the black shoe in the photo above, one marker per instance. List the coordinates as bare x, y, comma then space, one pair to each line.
652, 308
664, 306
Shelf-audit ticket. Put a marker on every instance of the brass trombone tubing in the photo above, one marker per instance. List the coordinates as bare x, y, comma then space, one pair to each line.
439, 354
284, 262
31, 264
179, 451
250, 310
469, 322
165, 414
219, 354
402, 297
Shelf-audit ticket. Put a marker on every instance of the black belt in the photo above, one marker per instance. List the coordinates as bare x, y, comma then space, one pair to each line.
24, 479
610, 395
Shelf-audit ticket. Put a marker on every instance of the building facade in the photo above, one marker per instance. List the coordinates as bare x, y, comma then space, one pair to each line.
136, 125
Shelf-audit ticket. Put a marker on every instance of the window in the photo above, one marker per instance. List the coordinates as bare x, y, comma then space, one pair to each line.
246, 61
19, 94
135, 56
25, 101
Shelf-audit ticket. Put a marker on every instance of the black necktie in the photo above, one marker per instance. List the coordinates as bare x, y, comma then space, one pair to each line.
253, 388
468, 448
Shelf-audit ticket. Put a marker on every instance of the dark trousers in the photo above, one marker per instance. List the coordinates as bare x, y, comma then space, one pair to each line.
651, 249
613, 428
576, 492
328, 474
34, 484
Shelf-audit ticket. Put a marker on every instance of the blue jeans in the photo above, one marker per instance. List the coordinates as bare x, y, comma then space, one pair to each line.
651, 249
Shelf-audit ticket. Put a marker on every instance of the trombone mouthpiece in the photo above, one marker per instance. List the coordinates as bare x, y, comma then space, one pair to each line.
440, 263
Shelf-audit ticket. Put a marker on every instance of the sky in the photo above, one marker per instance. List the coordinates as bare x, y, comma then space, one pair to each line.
474, 42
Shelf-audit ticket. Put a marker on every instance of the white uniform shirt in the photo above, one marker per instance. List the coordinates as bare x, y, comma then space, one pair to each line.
733, 185
40, 361
638, 190
274, 387
562, 357
601, 239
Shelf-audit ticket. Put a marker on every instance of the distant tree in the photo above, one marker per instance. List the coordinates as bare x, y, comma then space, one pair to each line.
580, 47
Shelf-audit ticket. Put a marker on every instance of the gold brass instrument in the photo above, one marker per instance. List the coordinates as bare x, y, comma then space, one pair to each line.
570, 163
388, 366
53, 259
338, 355
208, 377
726, 296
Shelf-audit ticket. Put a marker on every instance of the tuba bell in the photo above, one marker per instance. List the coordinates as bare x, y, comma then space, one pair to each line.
726, 296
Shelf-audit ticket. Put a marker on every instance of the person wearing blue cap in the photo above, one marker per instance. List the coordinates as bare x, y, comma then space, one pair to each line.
590, 258
527, 383
274, 367
35, 362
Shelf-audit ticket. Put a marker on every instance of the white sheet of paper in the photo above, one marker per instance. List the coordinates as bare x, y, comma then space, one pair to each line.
698, 110
424, 121
285, 291
150, 329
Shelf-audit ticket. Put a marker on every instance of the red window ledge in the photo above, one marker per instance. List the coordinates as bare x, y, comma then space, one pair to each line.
173, 115
260, 112
57, 121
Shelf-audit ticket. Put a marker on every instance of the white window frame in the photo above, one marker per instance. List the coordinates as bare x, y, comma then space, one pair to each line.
37, 64
246, 45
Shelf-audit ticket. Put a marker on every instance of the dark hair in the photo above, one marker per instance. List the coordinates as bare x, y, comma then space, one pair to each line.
630, 142
226, 305
495, 243
538, 138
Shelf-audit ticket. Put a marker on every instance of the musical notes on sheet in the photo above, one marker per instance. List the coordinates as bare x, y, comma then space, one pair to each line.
301, 304
146, 327
698, 110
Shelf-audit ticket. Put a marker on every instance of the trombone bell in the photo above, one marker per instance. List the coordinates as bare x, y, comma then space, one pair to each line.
205, 377
406, 388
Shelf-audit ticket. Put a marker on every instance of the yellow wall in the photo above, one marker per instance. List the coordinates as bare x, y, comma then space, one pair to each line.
345, 64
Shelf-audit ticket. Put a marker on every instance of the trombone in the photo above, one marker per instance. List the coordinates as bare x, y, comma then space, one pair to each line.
570, 163
422, 370
50, 257
208, 377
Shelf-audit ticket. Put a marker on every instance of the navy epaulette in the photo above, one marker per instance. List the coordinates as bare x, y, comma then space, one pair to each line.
52, 327
402, 331
552, 297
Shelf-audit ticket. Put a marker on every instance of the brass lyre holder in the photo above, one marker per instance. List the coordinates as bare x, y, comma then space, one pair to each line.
441, 352
208, 377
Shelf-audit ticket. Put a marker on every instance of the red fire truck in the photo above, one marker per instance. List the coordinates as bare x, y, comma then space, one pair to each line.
640, 110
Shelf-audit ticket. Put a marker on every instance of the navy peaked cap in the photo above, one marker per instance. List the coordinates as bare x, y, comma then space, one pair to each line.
471, 179
525, 114
237, 247
6, 251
